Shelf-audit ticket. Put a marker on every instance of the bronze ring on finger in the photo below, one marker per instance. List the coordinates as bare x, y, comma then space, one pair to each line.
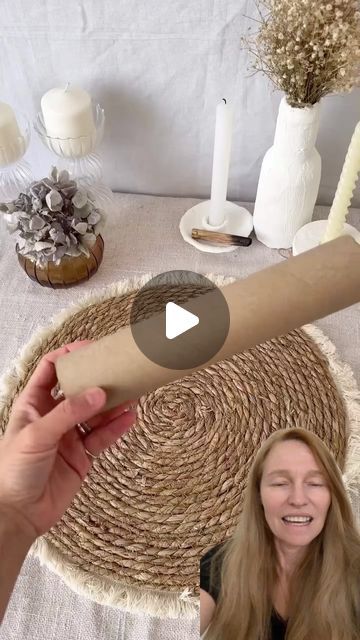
84, 428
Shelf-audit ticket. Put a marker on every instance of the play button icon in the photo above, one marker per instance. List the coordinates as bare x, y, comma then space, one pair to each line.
179, 319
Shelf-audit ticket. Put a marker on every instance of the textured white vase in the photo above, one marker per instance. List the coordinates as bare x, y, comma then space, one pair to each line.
289, 178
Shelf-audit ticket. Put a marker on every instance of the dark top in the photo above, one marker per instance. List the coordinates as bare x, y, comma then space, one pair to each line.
278, 624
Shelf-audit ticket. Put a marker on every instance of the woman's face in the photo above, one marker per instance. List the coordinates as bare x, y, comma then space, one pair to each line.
293, 486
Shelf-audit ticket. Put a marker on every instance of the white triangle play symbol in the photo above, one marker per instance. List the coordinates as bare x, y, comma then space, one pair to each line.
178, 320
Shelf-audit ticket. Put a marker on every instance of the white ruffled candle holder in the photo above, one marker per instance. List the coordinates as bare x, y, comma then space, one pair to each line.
312, 235
237, 220
78, 157
15, 173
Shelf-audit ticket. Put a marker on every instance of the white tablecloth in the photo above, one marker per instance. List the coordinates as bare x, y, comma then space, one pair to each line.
141, 237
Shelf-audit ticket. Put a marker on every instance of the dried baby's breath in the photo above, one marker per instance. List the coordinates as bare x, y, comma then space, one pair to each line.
308, 48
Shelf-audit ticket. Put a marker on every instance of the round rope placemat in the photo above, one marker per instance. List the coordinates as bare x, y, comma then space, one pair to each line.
172, 486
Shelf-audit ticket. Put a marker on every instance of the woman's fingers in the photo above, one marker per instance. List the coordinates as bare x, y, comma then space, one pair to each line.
104, 436
47, 431
111, 414
35, 399
44, 376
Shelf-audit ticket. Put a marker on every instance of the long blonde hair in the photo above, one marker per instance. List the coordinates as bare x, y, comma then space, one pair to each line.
325, 589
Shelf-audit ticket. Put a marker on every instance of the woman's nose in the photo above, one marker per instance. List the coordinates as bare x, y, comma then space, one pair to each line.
298, 495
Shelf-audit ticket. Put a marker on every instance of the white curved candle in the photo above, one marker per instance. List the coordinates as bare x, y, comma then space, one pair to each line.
345, 189
67, 112
221, 162
11, 141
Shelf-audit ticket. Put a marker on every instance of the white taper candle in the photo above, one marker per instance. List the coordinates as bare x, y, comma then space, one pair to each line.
221, 163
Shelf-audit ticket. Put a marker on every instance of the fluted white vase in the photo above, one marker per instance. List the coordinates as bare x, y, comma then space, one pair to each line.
289, 178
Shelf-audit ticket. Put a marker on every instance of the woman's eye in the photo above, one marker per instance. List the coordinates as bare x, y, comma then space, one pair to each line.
283, 484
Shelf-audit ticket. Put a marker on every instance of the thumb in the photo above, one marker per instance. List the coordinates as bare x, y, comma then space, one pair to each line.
49, 429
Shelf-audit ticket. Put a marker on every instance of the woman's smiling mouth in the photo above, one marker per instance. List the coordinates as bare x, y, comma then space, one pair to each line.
297, 521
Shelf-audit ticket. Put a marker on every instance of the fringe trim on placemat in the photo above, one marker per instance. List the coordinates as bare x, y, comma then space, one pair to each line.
105, 591
347, 385
155, 602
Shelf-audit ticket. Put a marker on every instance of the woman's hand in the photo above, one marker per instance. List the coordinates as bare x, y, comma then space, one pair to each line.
42, 456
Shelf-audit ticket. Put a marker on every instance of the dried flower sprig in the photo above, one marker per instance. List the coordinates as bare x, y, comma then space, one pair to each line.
308, 48
54, 218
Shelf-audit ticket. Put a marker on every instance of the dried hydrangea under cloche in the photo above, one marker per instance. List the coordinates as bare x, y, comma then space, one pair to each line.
54, 218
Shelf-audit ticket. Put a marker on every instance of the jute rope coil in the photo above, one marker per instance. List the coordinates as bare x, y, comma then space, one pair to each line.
172, 486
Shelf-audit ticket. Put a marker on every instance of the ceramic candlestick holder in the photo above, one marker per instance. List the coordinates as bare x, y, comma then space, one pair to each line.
311, 235
78, 157
15, 173
237, 220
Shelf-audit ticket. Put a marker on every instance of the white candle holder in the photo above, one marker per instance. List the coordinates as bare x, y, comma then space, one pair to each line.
311, 235
15, 173
78, 157
237, 220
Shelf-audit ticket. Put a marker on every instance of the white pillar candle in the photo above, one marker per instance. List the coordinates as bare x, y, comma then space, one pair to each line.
11, 141
221, 163
67, 113
345, 189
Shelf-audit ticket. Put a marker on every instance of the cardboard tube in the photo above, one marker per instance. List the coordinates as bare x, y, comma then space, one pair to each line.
267, 304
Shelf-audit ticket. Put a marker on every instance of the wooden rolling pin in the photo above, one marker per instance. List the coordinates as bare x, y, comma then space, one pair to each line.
215, 237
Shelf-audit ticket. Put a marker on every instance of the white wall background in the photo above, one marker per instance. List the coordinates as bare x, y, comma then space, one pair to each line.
158, 67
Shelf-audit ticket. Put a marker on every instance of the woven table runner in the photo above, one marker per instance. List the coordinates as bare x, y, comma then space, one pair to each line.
172, 486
